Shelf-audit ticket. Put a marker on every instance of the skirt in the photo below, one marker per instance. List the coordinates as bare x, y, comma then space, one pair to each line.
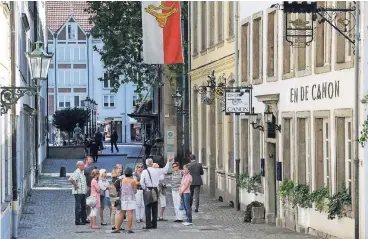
128, 205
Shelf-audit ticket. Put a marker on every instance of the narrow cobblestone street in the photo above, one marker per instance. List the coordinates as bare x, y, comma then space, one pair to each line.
49, 214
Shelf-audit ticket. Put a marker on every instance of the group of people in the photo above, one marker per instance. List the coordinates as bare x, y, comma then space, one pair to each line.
141, 191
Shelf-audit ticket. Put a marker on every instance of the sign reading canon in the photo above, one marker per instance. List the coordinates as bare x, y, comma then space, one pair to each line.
323, 90
237, 102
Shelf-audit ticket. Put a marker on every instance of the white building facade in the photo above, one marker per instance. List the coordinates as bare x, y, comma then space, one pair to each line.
25, 155
76, 69
310, 91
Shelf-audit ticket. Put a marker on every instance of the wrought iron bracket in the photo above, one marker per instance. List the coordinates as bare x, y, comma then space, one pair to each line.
257, 126
335, 17
10, 95
277, 126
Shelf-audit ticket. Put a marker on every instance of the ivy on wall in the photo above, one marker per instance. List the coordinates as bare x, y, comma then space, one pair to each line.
300, 195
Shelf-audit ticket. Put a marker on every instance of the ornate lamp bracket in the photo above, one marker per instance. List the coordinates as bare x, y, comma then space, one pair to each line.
10, 95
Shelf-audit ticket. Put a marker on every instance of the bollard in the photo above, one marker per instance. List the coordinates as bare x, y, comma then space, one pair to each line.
62, 172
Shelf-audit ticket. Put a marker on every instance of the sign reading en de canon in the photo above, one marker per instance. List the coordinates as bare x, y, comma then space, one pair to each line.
238, 100
323, 90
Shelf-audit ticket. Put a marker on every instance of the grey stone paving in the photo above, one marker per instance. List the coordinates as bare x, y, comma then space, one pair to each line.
49, 214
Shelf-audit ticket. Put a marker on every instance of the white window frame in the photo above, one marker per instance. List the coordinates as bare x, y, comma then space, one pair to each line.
307, 152
73, 27
326, 153
348, 158
108, 84
62, 98
62, 77
109, 101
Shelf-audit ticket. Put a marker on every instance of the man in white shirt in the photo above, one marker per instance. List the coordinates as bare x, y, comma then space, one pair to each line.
150, 179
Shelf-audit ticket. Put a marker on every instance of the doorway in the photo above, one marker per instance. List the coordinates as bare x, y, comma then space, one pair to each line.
270, 176
116, 125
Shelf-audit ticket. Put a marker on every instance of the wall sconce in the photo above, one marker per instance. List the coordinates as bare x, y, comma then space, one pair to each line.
271, 119
254, 118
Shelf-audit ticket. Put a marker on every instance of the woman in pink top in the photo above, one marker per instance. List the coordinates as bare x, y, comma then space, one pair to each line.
184, 193
95, 191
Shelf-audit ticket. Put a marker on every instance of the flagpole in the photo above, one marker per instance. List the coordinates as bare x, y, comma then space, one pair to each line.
188, 83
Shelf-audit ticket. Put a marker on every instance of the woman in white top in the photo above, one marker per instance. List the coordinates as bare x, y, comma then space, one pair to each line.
104, 194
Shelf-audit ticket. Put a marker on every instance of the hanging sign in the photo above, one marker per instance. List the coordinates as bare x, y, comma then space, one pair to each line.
238, 100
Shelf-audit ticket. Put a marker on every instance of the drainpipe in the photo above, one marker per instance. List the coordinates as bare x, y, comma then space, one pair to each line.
236, 117
189, 40
37, 103
13, 128
356, 121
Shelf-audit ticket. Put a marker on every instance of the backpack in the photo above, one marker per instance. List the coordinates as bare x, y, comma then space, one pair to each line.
113, 192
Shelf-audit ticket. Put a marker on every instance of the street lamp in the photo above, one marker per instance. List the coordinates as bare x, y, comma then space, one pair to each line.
94, 108
39, 62
87, 103
178, 103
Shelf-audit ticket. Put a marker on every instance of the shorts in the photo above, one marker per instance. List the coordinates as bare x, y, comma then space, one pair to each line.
162, 200
128, 205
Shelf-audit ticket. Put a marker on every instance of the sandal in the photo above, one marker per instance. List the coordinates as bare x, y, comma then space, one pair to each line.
95, 227
103, 224
130, 231
116, 231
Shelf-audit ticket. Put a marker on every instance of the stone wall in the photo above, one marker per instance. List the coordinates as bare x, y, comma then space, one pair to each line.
66, 152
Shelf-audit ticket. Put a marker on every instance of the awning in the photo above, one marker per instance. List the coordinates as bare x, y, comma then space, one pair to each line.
143, 116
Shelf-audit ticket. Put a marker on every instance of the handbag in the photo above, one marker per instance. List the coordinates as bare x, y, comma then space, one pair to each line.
91, 201
149, 196
98, 152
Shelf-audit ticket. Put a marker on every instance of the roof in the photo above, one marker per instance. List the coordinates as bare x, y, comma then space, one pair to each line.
58, 12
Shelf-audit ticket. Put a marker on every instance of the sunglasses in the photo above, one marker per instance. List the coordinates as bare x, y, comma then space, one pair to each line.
139, 167
175, 166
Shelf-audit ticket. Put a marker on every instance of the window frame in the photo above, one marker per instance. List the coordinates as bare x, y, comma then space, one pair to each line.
275, 13
348, 181
326, 153
256, 16
64, 97
245, 23
110, 96
71, 26
308, 55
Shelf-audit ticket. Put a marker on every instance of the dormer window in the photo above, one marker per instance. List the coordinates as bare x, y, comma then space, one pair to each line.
72, 31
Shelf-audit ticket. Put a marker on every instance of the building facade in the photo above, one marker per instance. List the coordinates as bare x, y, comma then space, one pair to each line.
310, 92
76, 68
24, 148
212, 49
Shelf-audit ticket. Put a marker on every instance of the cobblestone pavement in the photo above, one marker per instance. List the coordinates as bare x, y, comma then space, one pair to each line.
50, 214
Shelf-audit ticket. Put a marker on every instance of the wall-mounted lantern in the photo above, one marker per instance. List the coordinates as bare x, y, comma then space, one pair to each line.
271, 119
178, 103
255, 118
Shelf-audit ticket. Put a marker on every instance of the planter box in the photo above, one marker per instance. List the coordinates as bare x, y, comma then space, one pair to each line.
258, 214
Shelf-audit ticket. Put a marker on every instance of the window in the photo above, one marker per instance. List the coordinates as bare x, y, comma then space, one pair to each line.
204, 25
271, 45
323, 43
326, 153
343, 46
135, 100
231, 19
107, 83
195, 28
220, 20
79, 53
220, 135
244, 139
64, 101
76, 101
79, 77
257, 49
245, 52
203, 137
286, 133
256, 151
72, 31
343, 152
288, 59
348, 153
230, 140
301, 147
109, 100
51, 77
65, 77
212, 23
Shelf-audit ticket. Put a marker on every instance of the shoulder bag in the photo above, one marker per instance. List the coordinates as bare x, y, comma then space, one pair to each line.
149, 196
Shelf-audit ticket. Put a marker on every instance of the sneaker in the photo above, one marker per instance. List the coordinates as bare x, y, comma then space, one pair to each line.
187, 223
